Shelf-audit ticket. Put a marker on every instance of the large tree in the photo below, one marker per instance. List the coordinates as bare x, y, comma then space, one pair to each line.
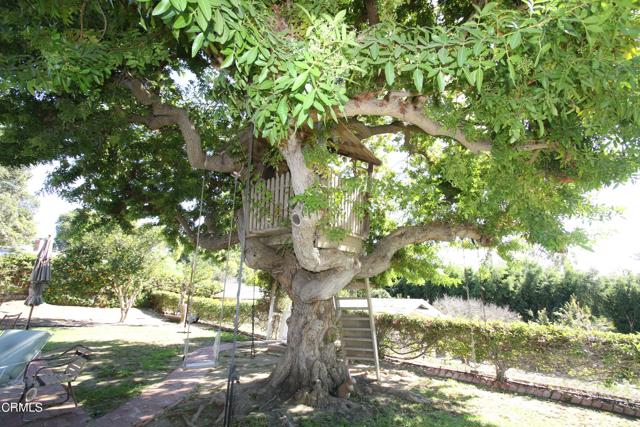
503, 116
17, 207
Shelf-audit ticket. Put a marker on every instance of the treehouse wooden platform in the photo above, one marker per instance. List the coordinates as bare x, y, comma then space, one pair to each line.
269, 211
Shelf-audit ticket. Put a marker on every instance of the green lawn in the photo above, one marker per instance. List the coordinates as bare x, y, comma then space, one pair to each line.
126, 359
456, 404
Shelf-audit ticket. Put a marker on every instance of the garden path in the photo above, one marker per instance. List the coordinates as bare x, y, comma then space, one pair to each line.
63, 315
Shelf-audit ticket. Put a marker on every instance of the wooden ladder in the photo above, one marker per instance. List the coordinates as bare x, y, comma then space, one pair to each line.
358, 331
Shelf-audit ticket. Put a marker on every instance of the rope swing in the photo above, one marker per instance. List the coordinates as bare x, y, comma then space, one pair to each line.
233, 377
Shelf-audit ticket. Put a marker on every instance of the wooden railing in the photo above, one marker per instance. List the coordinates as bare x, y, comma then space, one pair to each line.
270, 208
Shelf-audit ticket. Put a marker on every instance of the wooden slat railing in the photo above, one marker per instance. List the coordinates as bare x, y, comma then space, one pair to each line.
269, 210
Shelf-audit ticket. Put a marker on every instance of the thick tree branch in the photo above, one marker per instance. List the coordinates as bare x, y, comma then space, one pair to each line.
208, 240
399, 106
379, 259
303, 226
165, 115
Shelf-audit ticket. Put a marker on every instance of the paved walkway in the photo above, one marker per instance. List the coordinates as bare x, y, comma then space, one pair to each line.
63, 315
155, 399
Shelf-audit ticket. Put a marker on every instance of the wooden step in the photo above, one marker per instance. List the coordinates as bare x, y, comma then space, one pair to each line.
348, 349
363, 299
355, 329
349, 317
361, 358
357, 339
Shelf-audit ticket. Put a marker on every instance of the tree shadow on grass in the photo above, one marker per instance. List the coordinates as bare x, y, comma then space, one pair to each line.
119, 370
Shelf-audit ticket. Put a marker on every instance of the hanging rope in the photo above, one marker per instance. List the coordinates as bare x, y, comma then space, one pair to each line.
195, 251
216, 344
233, 376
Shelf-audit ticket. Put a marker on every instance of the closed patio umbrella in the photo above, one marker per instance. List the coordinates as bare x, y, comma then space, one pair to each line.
40, 276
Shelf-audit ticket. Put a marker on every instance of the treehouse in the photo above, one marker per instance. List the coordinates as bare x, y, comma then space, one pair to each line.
345, 226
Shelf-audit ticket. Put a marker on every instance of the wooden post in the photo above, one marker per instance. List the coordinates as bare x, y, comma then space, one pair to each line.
367, 220
272, 304
372, 322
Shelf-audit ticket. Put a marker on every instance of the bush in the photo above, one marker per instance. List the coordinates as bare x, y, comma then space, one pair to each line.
474, 309
528, 289
207, 308
15, 272
602, 356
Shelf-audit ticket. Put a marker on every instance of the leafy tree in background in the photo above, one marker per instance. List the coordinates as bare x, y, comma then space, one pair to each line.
17, 207
508, 114
107, 261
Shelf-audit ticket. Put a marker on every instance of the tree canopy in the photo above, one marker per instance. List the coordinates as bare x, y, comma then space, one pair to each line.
494, 120
18, 206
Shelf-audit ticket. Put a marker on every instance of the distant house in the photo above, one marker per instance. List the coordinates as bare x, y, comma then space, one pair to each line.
406, 306
246, 291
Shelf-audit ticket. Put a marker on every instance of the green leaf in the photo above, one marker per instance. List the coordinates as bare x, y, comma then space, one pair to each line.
203, 22
218, 22
418, 79
197, 44
181, 22
440, 80
443, 55
301, 118
308, 99
514, 40
375, 50
161, 7
479, 77
205, 8
227, 61
461, 56
181, 5
300, 80
389, 73
252, 54
283, 110
470, 76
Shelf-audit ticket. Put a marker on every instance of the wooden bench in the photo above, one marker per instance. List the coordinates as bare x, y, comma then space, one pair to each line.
62, 369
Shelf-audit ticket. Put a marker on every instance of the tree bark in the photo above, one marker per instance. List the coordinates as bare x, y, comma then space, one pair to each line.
309, 370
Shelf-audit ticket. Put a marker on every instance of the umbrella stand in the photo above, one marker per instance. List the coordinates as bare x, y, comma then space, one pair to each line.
29, 319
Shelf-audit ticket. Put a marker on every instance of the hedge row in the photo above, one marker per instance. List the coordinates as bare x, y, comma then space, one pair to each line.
207, 308
602, 356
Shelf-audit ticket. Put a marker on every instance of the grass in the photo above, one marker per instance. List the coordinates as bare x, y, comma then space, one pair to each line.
455, 404
126, 359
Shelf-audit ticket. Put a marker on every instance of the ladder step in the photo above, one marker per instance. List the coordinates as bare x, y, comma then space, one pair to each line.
355, 329
348, 349
351, 298
357, 339
361, 358
354, 318
354, 308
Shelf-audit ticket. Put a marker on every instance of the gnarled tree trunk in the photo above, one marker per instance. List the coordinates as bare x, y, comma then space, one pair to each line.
309, 370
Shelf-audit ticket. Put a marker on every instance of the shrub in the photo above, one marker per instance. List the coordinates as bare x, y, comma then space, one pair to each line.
602, 356
474, 309
207, 308
15, 272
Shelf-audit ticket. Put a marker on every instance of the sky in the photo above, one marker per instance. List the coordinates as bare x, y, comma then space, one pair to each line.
616, 247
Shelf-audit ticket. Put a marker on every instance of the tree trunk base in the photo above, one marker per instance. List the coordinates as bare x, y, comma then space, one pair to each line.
309, 372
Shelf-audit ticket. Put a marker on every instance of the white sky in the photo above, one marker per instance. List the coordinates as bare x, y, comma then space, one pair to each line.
616, 246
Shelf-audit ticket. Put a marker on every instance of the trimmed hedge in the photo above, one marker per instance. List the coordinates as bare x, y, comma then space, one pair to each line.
602, 356
207, 308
